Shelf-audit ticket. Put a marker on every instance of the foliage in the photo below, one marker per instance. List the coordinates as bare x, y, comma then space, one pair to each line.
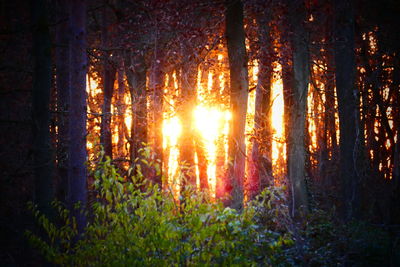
135, 223
327, 242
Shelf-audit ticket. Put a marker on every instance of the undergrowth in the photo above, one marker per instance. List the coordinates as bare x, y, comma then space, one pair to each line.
134, 223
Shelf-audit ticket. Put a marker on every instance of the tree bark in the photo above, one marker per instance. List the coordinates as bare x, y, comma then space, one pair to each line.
186, 142
156, 90
136, 71
77, 191
239, 89
42, 150
329, 122
347, 105
220, 165
261, 175
298, 109
109, 72
121, 108
202, 162
63, 96
396, 86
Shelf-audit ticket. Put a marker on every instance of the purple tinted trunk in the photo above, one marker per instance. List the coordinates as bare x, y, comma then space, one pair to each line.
109, 72
63, 96
77, 192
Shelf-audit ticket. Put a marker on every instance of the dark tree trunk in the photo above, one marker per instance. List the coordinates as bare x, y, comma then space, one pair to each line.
156, 90
347, 104
396, 86
63, 96
261, 175
42, 150
330, 110
77, 192
286, 61
298, 108
105, 126
287, 84
136, 74
186, 142
330, 124
109, 72
121, 108
239, 89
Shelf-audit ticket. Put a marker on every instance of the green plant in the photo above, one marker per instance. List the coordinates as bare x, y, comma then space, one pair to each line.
135, 223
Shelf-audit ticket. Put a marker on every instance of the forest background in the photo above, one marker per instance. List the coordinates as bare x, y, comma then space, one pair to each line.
226, 98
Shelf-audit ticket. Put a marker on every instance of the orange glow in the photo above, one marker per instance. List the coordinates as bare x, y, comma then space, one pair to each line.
172, 129
208, 121
211, 119
277, 124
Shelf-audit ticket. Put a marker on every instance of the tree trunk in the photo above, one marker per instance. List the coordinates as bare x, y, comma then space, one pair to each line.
330, 110
220, 165
109, 72
348, 115
261, 175
136, 74
105, 126
156, 90
287, 84
239, 90
42, 151
202, 162
121, 108
186, 142
396, 85
330, 123
63, 96
298, 109
77, 192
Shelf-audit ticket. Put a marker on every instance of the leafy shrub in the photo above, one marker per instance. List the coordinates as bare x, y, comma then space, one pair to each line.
134, 223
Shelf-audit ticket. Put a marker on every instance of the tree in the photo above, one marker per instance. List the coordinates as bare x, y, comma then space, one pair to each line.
261, 175
330, 136
42, 147
239, 90
135, 69
63, 95
77, 191
156, 84
108, 79
191, 47
187, 145
297, 113
347, 105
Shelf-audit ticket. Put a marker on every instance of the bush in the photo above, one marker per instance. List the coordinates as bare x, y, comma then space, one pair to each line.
134, 223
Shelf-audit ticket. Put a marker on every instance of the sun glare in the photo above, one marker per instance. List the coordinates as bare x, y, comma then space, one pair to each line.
277, 121
211, 124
